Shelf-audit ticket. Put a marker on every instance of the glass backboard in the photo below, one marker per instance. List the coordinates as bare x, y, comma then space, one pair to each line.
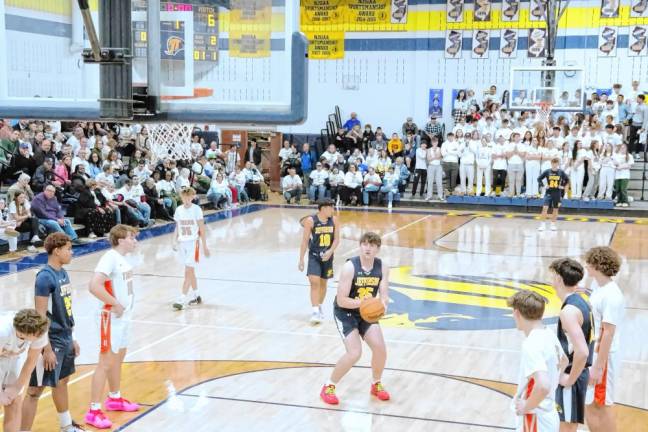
562, 87
234, 61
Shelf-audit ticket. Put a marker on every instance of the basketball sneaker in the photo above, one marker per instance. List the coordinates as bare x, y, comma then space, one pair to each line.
379, 391
74, 427
542, 227
315, 318
321, 313
97, 419
120, 404
328, 395
195, 301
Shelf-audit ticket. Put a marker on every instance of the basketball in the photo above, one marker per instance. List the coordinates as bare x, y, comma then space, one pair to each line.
372, 309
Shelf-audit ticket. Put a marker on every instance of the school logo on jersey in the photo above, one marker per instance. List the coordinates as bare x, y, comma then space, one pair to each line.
174, 45
458, 302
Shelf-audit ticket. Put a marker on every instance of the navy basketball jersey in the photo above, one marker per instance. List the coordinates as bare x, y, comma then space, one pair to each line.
56, 285
365, 283
587, 327
322, 235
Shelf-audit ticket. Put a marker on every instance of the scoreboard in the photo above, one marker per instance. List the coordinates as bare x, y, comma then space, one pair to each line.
172, 33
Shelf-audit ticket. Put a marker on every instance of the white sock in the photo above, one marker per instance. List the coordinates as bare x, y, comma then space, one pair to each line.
182, 299
194, 293
65, 419
115, 395
319, 308
329, 382
377, 381
95, 406
315, 309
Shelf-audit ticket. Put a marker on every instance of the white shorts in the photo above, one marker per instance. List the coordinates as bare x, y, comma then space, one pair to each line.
189, 252
119, 328
538, 422
604, 392
10, 369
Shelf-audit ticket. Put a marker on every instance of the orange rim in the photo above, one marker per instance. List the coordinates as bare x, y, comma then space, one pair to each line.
199, 92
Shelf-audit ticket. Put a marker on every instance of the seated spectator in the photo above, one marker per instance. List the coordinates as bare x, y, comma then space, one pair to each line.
202, 171
351, 193
182, 181
21, 186
400, 170
372, 158
94, 165
213, 152
22, 162
317, 190
219, 192
47, 209
353, 139
336, 183
368, 136
63, 172
395, 146
155, 201
379, 142
8, 231
80, 174
167, 190
134, 161
131, 212
9, 146
383, 163
237, 180
291, 185
331, 155
349, 124
44, 151
43, 176
372, 183
81, 159
25, 222
409, 127
107, 177
356, 158
138, 195
89, 211
434, 129
253, 181
142, 170
390, 186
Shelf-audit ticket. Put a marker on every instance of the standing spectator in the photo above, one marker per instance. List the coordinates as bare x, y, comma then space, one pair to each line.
47, 209
253, 153
515, 153
307, 163
484, 161
292, 186
450, 162
420, 169
409, 127
349, 124
623, 161
434, 170
606, 176
232, 159
639, 124
468, 149
532, 168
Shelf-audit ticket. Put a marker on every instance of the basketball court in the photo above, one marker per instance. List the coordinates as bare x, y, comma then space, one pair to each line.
247, 359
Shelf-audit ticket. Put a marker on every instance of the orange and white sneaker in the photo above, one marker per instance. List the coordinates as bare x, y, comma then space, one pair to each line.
328, 395
97, 419
379, 391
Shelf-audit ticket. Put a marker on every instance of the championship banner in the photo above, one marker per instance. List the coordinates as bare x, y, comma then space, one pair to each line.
537, 10
510, 10
480, 44
637, 41
399, 11
325, 45
610, 8
608, 38
322, 13
638, 8
375, 15
454, 11
482, 11
453, 44
250, 28
508, 43
537, 45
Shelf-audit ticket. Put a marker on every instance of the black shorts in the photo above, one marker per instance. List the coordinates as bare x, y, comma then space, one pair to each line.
570, 401
349, 320
63, 346
552, 200
319, 268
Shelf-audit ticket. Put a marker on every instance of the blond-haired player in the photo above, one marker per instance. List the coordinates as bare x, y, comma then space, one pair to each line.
189, 233
112, 285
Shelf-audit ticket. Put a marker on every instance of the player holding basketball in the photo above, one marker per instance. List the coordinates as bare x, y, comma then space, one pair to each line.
112, 284
189, 233
576, 335
26, 331
557, 181
321, 238
541, 365
363, 276
608, 307
53, 299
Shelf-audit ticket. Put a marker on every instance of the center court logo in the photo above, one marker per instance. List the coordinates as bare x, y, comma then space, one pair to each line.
458, 302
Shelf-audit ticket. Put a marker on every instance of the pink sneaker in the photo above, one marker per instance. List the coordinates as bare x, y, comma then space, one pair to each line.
97, 419
120, 404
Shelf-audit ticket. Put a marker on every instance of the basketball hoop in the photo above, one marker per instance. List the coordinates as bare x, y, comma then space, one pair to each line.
543, 112
171, 140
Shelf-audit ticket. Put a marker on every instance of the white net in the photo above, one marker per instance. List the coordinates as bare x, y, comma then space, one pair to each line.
171, 140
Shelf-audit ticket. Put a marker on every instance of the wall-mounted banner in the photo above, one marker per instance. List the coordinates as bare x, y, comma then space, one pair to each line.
508, 43
453, 44
537, 45
638, 8
250, 26
480, 43
325, 45
510, 10
436, 103
482, 10
399, 11
537, 10
454, 11
608, 37
637, 36
610, 8
322, 12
